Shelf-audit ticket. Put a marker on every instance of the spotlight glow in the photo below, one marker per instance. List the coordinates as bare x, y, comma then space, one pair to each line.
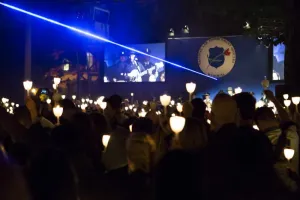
86, 33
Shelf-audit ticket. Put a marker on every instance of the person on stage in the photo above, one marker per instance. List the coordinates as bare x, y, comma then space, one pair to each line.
150, 66
134, 69
116, 73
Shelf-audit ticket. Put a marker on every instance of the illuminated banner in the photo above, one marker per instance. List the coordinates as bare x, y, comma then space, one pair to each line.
235, 61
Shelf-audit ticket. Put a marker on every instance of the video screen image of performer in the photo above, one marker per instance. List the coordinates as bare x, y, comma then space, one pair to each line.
132, 67
278, 62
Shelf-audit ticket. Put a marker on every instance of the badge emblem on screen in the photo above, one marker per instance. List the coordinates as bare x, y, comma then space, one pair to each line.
216, 57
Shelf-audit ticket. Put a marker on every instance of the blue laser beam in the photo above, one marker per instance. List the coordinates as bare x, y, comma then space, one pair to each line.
100, 38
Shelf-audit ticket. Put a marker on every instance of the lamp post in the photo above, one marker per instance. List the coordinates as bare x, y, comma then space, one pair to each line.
73, 97
296, 101
285, 96
190, 88
63, 96
27, 86
58, 111
165, 101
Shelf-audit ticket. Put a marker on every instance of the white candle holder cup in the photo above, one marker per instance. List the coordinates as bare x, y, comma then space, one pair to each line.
288, 153
58, 111
165, 101
105, 141
296, 101
177, 124
27, 86
190, 88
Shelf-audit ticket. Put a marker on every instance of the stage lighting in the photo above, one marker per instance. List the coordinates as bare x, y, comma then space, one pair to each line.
186, 29
247, 25
86, 33
171, 33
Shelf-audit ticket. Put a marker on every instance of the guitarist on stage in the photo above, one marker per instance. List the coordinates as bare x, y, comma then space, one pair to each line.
148, 65
134, 68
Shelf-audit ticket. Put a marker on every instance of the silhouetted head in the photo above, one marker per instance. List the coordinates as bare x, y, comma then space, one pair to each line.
265, 118
199, 108
194, 135
22, 115
224, 111
246, 105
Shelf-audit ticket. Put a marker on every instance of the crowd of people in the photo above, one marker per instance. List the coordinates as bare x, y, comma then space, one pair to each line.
224, 159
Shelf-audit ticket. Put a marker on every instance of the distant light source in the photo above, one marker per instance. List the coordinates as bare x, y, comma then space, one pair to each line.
230, 91
179, 107
66, 67
238, 90
186, 29
247, 25
142, 113
56, 80
171, 32
34, 91
172, 102
54, 86
27, 86
103, 105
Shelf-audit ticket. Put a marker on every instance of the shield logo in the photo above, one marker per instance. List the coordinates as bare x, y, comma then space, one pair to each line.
216, 57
